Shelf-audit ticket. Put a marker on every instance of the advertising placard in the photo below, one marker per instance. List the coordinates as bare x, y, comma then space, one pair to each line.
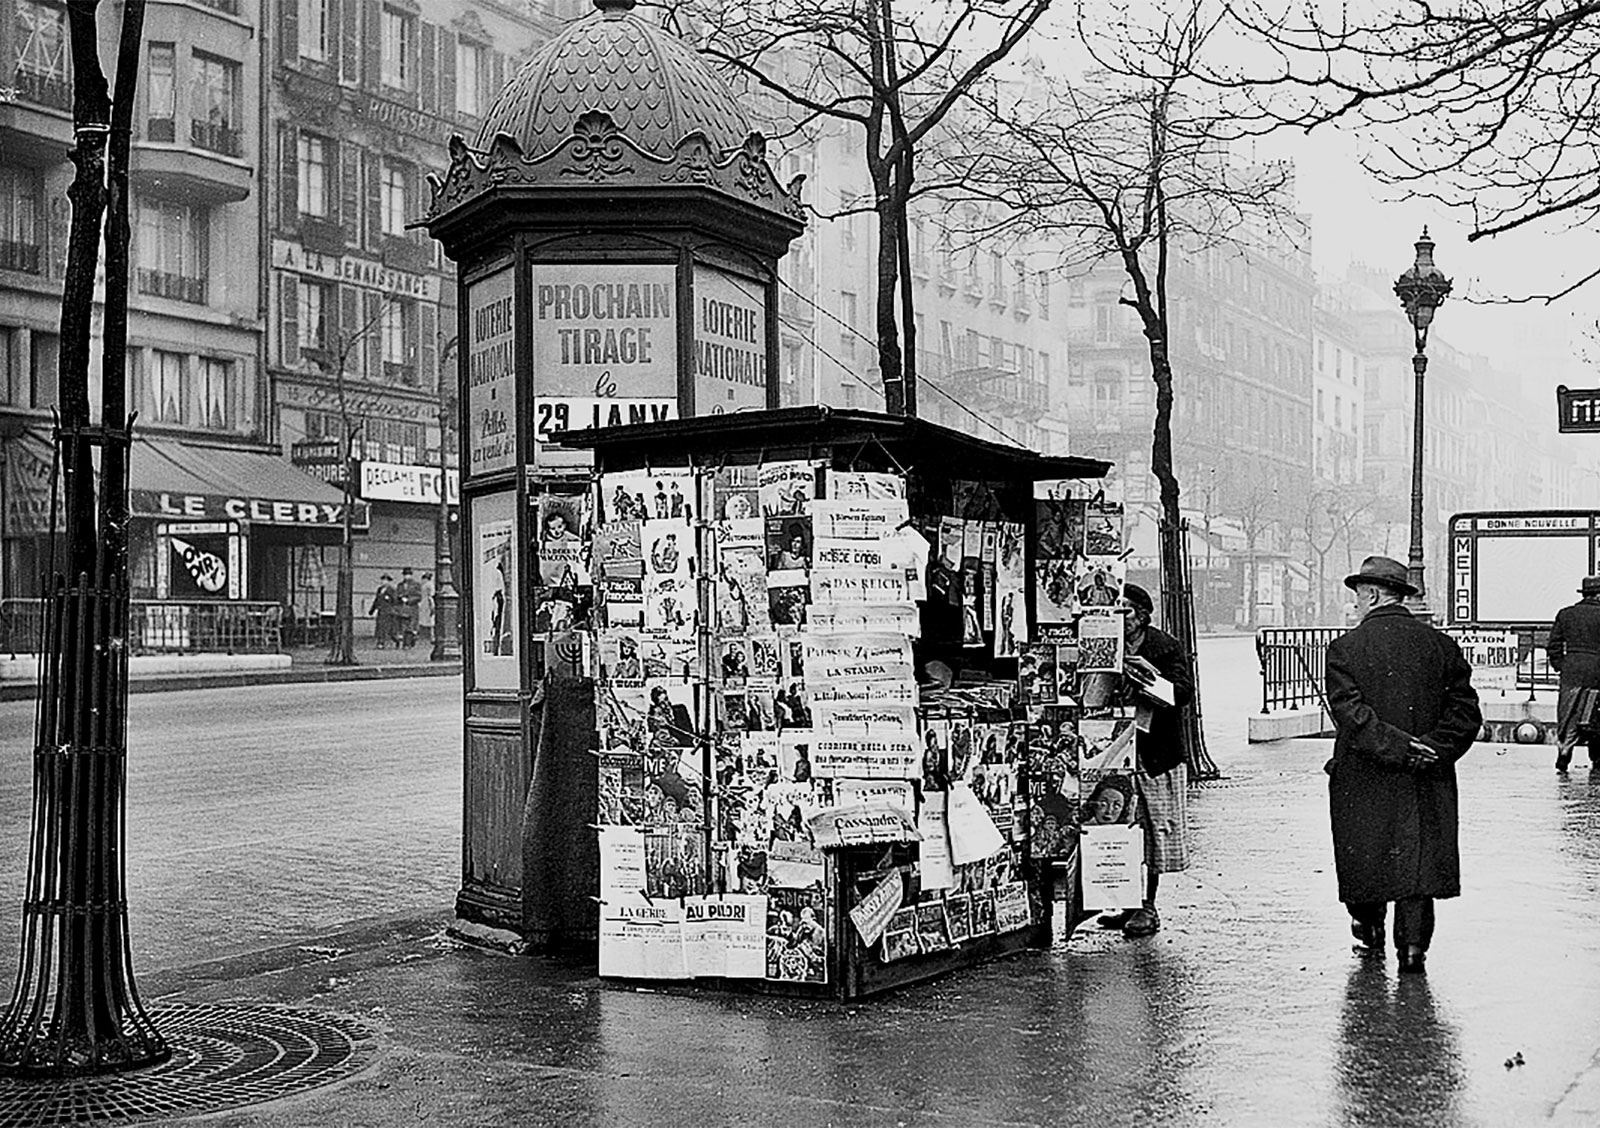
730, 342
494, 588
491, 374
604, 349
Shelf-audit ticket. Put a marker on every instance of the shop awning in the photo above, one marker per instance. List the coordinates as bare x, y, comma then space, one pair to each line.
193, 482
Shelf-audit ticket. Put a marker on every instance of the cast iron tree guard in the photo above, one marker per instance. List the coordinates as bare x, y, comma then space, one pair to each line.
75, 1010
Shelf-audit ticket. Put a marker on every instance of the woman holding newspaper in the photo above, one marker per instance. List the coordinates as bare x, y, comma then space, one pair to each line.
1158, 682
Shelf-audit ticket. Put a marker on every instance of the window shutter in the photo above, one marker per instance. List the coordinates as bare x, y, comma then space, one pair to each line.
428, 360
427, 70
447, 73
372, 180
289, 32
335, 38
288, 318
350, 191
289, 176
413, 354
418, 205
372, 56
349, 40
373, 341
346, 320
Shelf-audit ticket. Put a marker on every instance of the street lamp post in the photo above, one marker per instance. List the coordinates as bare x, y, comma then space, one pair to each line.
446, 600
1421, 289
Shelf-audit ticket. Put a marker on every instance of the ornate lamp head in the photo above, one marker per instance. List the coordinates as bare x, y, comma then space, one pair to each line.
1422, 289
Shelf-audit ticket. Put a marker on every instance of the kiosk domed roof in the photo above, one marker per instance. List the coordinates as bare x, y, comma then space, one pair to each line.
654, 87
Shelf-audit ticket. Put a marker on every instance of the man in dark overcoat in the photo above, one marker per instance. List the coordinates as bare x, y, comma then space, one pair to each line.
1574, 649
1403, 705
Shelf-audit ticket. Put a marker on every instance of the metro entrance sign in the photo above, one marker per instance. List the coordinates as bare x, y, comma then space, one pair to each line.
1578, 410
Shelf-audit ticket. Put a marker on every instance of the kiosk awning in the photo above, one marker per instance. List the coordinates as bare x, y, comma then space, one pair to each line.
193, 482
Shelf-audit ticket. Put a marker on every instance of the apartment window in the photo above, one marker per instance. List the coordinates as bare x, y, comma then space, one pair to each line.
1321, 414
1107, 389
174, 250
1338, 412
215, 110
395, 178
312, 308
218, 403
847, 236
13, 389
161, 85
997, 277
314, 30
164, 387
847, 331
314, 156
1104, 318
1044, 294
20, 231
398, 326
44, 363
398, 47
40, 33
471, 68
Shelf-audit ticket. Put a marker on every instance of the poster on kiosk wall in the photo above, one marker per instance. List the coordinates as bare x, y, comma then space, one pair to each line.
730, 342
494, 588
605, 350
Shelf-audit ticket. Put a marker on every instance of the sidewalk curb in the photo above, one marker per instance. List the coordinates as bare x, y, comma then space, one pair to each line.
161, 683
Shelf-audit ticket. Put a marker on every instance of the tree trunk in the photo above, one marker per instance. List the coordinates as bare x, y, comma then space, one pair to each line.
896, 401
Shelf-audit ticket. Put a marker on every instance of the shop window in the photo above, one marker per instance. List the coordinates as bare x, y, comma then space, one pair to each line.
20, 230
398, 49
396, 177
215, 114
314, 30
173, 250
471, 71
40, 34
161, 93
164, 388
315, 153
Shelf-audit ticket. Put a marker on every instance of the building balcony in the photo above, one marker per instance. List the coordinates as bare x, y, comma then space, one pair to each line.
216, 137
193, 175
24, 257
52, 90
178, 287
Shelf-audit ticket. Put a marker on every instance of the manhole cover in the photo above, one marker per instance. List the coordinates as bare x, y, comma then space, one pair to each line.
223, 1056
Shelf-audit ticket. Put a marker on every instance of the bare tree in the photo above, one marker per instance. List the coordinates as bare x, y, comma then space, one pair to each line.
896, 75
1330, 520
1489, 108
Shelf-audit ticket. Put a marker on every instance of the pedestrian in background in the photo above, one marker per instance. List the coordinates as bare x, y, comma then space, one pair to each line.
383, 607
408, 603
425, 608
1574, 650
1160, 778
1404, 712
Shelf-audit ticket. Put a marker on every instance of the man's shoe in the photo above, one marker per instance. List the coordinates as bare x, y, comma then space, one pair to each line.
1369, 937
1563, 759
1142, 922
1412, 959
1114, 920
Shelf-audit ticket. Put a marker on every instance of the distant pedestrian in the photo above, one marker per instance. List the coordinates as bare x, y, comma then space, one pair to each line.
1574, 649
383, 607
425, 610
408, 602
1404, 709
1160, 778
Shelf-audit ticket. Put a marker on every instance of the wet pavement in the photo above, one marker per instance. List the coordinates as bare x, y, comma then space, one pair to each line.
1247, 1008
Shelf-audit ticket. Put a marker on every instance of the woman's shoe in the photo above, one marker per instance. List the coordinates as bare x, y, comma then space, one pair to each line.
1142, 922
1114, 920
1412, 959
1563, 759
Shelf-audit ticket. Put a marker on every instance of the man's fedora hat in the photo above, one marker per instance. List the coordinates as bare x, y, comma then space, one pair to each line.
1591, 585
1382, 570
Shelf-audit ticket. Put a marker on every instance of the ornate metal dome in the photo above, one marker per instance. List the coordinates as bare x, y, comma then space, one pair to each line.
652, 85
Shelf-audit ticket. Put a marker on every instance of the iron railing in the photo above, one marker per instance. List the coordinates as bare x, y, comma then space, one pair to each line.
163, 626
1294, 664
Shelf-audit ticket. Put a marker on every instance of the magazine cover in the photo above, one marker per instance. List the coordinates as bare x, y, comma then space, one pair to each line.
933, 933
797, 936
900, 938
735, 492
786, 488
